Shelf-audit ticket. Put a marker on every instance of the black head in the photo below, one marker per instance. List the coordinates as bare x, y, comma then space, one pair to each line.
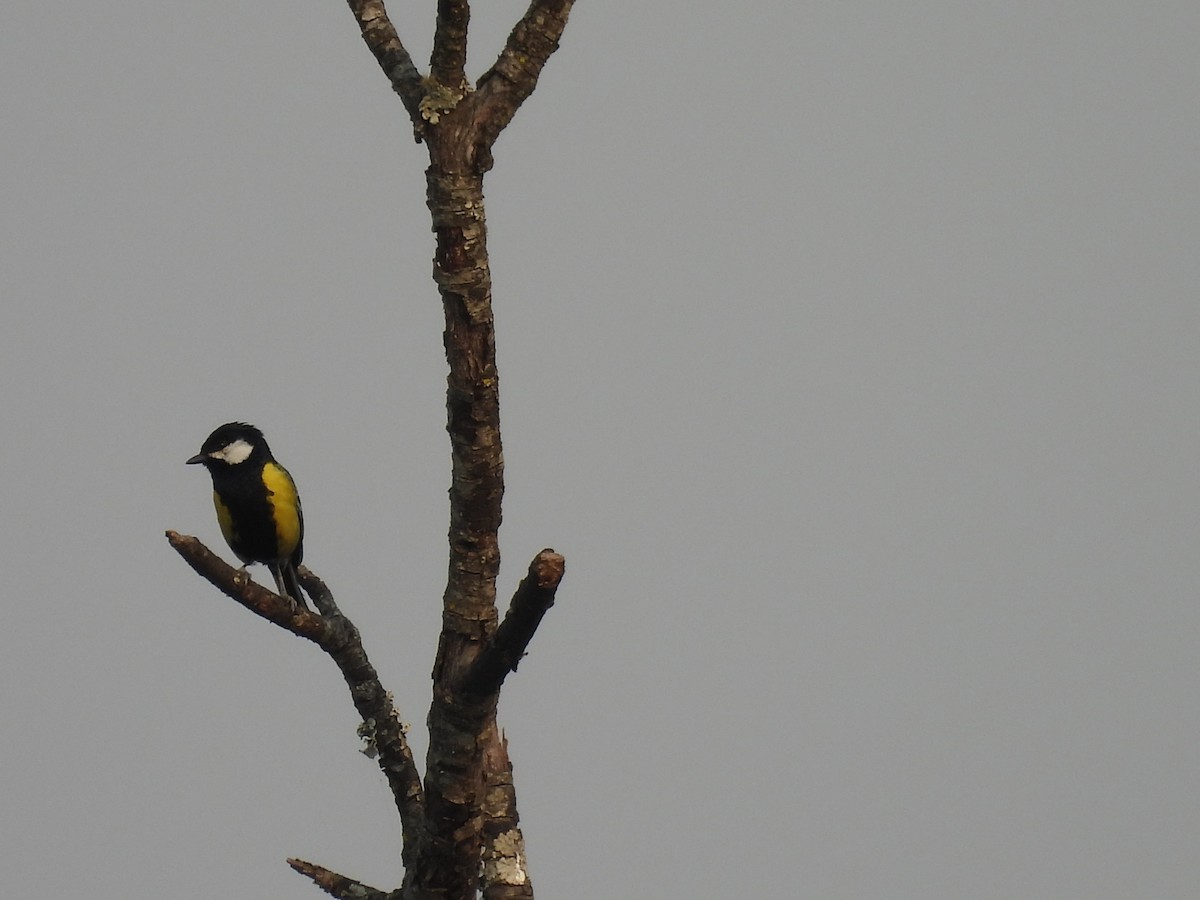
230, 445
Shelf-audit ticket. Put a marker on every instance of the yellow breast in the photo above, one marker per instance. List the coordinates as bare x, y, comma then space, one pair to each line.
285, 501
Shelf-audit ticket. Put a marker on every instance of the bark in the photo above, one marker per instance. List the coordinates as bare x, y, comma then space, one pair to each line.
447, 64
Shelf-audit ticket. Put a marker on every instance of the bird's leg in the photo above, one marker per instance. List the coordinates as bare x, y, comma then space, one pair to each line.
280, 586
288, 591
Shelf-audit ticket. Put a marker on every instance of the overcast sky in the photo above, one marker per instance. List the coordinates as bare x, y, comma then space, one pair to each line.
848, 351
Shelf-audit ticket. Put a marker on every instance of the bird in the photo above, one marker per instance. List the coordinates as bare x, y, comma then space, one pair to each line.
258, 506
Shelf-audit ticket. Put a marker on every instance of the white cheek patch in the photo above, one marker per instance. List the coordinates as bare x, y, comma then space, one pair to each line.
234, 453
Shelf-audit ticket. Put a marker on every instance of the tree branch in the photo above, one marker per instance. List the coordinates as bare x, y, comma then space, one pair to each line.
236, 584
381, 728
337, 636
447, 63
337, 885
534, 596
381, 37
514, 75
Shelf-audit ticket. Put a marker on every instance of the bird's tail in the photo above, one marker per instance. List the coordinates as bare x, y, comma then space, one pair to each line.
287, 583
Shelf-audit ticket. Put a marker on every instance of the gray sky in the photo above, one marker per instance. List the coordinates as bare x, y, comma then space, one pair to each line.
848, 353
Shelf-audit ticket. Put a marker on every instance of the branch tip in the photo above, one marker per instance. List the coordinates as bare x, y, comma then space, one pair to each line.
336, 885
548, 569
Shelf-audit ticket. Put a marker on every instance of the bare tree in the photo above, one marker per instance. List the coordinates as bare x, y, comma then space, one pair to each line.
459, 824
